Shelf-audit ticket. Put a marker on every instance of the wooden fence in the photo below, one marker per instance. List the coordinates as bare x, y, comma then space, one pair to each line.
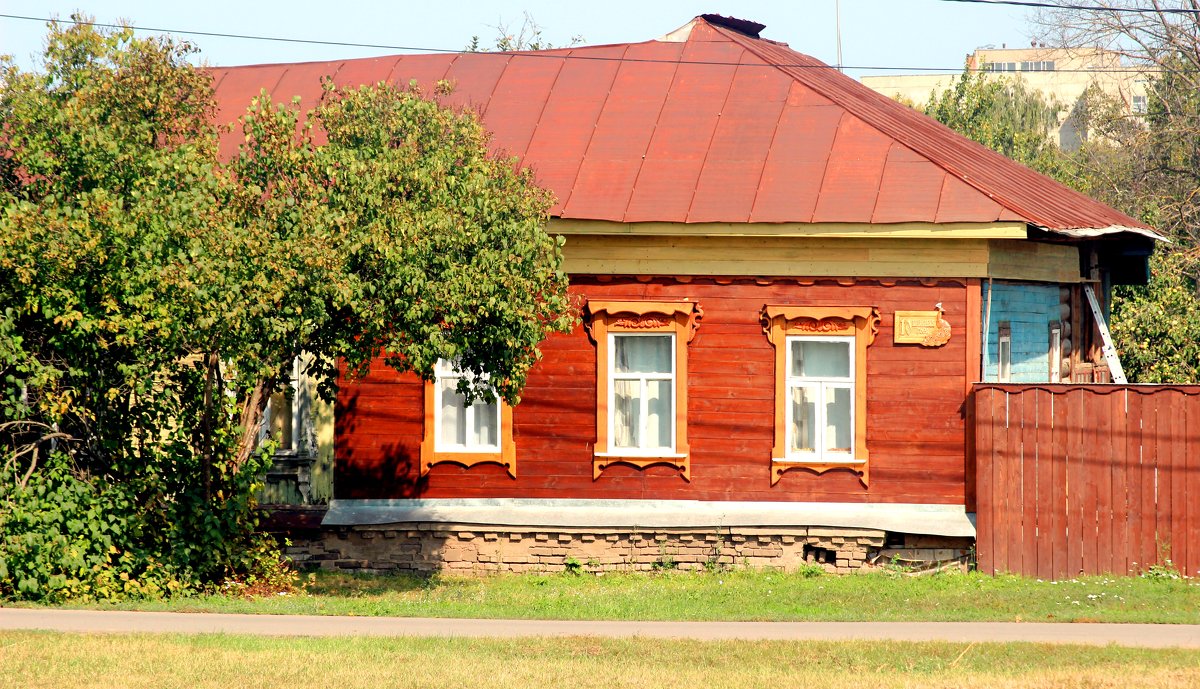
1086, 479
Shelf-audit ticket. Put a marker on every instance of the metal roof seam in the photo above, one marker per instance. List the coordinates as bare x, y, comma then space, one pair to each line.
887, 159
799, 143
592, 137
711, 136
395, 64
762, 170
837, 134
937, 207
541, 114
650, 139
496, 84
282, 76
951, 157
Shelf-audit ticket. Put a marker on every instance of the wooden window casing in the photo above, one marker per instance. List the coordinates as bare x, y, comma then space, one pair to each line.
1054, 352
432, 453
1004, 353
606, 318
781, 322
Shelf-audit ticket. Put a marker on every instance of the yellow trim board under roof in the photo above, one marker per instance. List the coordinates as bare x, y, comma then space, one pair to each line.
962, 230
867, 257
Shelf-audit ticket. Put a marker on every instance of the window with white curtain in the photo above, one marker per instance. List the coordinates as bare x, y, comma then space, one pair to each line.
463, 427
820, 396
642, 392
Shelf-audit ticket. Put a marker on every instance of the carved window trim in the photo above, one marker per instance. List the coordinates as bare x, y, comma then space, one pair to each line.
430, 455
779, 322
603, 318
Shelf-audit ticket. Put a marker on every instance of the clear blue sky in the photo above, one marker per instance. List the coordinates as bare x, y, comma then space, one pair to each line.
889, 33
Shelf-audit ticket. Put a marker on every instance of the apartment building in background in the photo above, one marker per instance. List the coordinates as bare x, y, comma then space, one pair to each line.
1059, 74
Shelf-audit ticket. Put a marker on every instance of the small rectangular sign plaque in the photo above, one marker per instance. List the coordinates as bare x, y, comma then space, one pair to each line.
921, 327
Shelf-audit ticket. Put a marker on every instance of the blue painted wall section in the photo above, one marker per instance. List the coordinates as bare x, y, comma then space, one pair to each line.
1029, 309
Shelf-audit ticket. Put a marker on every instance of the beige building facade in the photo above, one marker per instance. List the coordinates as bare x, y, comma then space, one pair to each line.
1059, 74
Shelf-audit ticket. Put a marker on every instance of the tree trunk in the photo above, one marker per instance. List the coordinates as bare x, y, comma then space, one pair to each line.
252, 415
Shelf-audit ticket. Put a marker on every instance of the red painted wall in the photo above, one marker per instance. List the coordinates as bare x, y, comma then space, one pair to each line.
915, 427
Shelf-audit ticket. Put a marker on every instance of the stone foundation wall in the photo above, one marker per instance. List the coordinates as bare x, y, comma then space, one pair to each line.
475, 549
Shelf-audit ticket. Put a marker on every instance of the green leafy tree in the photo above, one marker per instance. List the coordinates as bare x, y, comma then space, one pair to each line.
154, 296
1003, 115
1148, 166
1158, 326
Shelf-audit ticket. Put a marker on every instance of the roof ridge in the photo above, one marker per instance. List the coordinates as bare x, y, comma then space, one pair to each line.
840, 95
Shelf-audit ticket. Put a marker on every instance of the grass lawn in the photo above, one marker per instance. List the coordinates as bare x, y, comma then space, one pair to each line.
33, 660
732, 595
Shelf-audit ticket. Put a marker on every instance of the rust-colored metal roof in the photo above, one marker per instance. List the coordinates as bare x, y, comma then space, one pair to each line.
709, 125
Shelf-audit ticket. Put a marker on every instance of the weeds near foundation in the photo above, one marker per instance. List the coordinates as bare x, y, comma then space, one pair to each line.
572, 566
809, 570
713, 563
666, 560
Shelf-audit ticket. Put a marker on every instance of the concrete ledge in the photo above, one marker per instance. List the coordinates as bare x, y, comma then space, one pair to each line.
937, 520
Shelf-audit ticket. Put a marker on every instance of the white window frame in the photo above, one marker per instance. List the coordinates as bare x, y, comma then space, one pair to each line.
298, 411
643, 416
1055, 352
446, 371
1004, 353
824, 383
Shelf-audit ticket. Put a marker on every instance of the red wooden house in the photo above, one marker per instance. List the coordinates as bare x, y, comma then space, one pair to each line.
787, 279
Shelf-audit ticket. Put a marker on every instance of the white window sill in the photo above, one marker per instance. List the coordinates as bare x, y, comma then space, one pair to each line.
631, 455
818, 460
467, 450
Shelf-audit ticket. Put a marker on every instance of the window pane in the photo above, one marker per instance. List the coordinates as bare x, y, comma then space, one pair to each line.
804, 419
817, 358
485, 424
280, 419
453, 428
626, 412
642, 354
837, 419
658, 413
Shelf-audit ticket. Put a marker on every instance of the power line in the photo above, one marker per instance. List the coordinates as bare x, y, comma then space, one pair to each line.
1086, 8
559, 56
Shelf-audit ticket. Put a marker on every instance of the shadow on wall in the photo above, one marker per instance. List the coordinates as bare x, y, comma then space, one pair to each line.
370, 467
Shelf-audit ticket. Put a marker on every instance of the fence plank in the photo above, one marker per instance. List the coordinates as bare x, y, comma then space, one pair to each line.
1148, 514
1133, 478
1044, 445
1001, 475
1029, 476
1179, 541
1191, 450
1015, 484
1075, 479
1118, 561
985, 504
1058, 511
1102, 477
1081, 478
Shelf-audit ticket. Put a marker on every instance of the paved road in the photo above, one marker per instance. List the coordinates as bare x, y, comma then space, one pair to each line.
1145, 635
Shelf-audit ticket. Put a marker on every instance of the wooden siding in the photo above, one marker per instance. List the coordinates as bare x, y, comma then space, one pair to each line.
915, 429
1020, 260
818, 256
805, 256
1087, 479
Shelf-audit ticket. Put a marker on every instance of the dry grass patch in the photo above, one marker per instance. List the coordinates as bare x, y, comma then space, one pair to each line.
37, 660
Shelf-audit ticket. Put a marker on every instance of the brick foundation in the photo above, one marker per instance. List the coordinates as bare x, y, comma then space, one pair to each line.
473, 549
